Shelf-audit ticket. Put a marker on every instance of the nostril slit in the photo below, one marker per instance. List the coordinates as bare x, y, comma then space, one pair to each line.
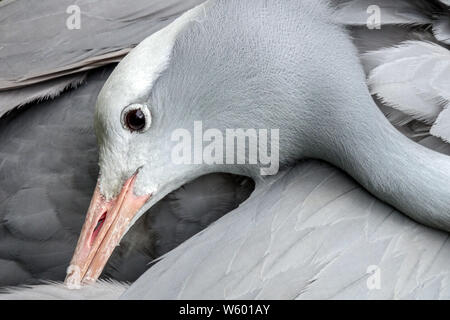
100, 221
98, 227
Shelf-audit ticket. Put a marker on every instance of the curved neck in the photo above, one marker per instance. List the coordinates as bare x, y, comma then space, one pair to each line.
408, 176
284, 79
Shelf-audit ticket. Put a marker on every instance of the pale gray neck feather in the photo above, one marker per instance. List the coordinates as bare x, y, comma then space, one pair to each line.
284, 64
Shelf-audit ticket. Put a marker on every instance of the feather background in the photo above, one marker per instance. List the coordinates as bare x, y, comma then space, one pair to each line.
409, 54
407, 61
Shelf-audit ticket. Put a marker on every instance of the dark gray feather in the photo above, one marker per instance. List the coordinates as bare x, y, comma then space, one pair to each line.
48, 169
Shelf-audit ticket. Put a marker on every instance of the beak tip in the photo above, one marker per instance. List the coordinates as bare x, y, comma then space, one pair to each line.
105, 224
73, 278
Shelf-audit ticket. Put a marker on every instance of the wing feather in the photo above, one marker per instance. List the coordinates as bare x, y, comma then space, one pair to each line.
413, 78
356, 13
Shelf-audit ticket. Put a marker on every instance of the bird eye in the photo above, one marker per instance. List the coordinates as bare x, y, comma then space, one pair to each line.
136, 117
135, 120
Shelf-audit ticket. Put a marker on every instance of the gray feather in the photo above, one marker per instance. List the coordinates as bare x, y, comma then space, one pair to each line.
441, 29
441, 127
41, 47
48, 169
310, 233
174, 219
412, 77
391, 12
16, 98
48, 165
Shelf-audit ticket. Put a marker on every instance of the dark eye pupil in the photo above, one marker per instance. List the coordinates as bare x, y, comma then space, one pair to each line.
135, 120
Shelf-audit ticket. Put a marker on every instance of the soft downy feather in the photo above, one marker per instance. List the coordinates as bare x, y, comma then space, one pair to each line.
416, 31
413, 78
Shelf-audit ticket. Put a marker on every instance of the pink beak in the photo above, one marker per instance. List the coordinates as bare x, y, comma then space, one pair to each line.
105, 224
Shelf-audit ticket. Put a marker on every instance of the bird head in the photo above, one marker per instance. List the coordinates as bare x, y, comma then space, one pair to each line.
167, 83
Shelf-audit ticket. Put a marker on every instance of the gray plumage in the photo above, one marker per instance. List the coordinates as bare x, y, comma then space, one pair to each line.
39, 46
173, 220
315, 277
16, 98
39, 228
370, 150
47, 172
407, 12
311, 232
321, 102
48, 156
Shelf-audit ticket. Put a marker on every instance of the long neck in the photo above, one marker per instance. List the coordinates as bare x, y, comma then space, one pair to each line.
408, 176
313, 89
